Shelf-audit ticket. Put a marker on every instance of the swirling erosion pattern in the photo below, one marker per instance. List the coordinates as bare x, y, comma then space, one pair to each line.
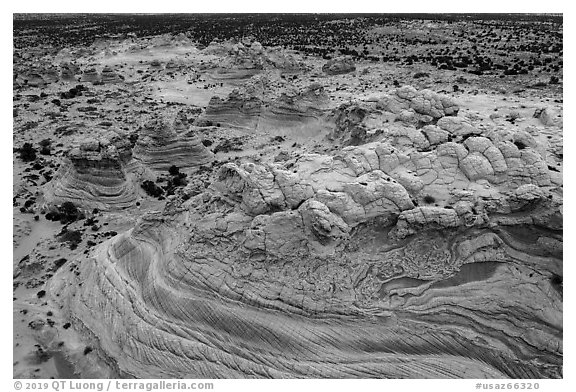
326, 266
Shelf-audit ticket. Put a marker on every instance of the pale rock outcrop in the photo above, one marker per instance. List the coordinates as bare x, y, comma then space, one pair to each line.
90, 75
68, 72
274, 262
548, 116
353, 264
160, 146
249, 108
339, 66
156, 64
294, 104
435, 134
457, 126
239, 109
94, 174
110, 76
349, 127
413, 106
409, 222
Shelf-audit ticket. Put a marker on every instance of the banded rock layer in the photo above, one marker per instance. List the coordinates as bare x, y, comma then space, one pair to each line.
160, 146
242, 60
336, 266
110, 76
94, 174
250, 110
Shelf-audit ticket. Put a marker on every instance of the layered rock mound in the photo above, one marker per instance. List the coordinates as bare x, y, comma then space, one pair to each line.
90, 75
239, 61
250, 109
246, 58
32, 77
340, 266
311, 102
110, 76
160, 146
238, 110
68, 72
94, 174
339, 66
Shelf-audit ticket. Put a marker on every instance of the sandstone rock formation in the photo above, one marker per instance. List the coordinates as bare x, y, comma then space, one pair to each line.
155, 64
302, 222
68, 72
90, 75
241, 60
418, 107
160, 146
339, 66
109, 75
276, 272
34, 78
239, 109
249, 109
94, 174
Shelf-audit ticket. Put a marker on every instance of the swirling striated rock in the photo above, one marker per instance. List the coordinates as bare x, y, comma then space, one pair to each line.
329, 269
90, 75
431, 251
110, 76
94, 174
339, 66
160, 146
207, 290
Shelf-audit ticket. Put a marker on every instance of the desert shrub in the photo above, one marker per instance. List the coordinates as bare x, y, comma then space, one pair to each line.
69, 212
45, 146
152, 189
59, 263
27, 152
429, 199
73, 237
52, 216
175, 182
